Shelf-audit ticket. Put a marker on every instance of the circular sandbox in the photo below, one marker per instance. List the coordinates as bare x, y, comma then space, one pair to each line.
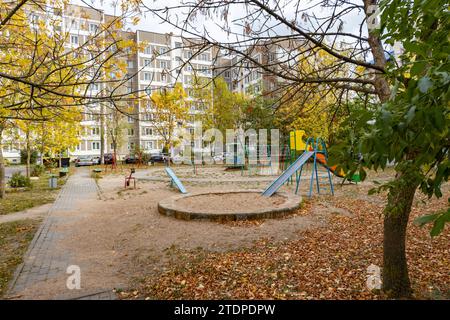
229, 205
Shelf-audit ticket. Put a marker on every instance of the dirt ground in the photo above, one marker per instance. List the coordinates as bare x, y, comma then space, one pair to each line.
121, 239
124, 237
229, 203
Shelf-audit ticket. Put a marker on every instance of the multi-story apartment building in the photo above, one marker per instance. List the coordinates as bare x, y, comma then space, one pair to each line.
162, 61
244, 73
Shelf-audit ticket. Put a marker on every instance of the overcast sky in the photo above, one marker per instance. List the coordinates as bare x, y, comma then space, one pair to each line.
150, 22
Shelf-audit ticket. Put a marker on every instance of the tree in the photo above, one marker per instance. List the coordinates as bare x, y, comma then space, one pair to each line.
312, 107
412, 127
170, 110
59, 134
116, 126
41, 73
421, 27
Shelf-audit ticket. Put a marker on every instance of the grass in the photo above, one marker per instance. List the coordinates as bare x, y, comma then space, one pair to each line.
14, 240
22, 199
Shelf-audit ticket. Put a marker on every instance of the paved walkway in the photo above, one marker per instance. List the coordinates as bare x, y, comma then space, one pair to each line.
44, 260
32, 213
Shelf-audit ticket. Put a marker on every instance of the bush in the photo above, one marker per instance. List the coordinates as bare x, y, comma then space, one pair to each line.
33, 156
18, 180
37, 170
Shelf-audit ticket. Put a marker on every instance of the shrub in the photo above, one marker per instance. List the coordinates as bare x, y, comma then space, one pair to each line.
18, 180
33, 156
37, 170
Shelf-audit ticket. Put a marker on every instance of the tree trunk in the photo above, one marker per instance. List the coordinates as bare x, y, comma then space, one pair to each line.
2, 167
28, 173
42, 144
102, 133
396, 215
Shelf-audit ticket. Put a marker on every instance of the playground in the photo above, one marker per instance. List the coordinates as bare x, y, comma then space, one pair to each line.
297, 231
320, 250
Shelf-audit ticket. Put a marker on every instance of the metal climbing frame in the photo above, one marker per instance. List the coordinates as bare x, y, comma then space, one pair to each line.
317, 146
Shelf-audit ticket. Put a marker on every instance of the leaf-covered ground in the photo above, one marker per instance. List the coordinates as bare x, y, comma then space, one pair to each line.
14, 240
324, 263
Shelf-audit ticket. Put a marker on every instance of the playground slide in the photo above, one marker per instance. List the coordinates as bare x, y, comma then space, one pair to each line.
175, 180
297, 164
322, 160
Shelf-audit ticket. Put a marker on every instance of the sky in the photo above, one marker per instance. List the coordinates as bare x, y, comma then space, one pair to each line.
152, 23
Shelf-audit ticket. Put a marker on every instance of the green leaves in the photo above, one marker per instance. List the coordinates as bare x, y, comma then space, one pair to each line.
425, 84
438, 220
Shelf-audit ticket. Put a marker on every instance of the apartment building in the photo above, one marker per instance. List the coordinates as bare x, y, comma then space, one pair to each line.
161, 64
243, 73
164, 59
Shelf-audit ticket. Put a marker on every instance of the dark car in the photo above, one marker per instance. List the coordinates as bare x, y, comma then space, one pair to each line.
108, 158
131, 159
158, 157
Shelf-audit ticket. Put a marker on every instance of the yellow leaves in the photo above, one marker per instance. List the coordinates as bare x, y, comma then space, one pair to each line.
135, 20
360, 70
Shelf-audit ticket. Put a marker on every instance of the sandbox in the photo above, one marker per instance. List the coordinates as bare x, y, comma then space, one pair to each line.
229, 205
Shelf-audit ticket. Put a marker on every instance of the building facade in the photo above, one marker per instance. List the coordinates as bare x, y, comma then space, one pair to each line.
161, 61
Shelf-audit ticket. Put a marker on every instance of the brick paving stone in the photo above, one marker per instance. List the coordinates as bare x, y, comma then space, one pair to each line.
40, 263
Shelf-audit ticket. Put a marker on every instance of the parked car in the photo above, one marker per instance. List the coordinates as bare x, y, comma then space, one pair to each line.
159, 157
131, 159
84, 161
96, 160
177, 159
108, 158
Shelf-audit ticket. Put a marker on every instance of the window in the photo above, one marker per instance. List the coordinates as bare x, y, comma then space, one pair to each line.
74, 39
147, 62
227, 74
147, 131
204, 57
93, 28
130, 145
205, 69
148, 91
130, 119
163, 64
148, 145
130, 131
147, 117
162, 51
130, 64
95, 145
163, 77
74, 24
147, 76
178, 44
148, 50
95, 131
94, 86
